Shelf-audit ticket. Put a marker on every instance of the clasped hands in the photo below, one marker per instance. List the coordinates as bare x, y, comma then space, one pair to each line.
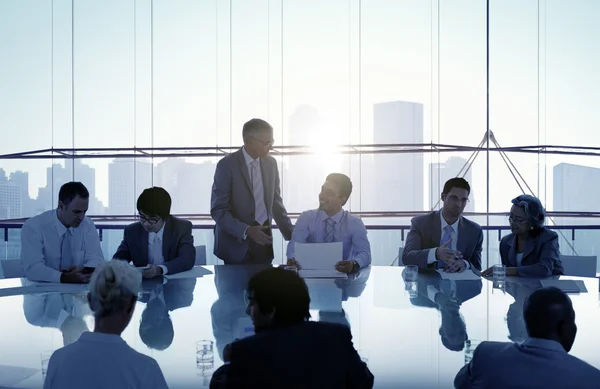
342, 266
452, 258
74, 275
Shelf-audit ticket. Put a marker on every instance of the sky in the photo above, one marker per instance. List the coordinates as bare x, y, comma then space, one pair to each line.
190, 73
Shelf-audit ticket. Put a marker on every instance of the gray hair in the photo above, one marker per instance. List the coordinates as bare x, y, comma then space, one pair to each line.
534, 211
112, 286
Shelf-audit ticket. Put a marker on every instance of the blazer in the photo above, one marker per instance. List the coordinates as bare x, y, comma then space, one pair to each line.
536, 363
426, 233
541, 257
311, 355
179, 252
232, 205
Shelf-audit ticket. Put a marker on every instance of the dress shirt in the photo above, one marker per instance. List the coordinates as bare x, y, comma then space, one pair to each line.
431, 257
249, 160
519, 259
41, 239
92, 356
310, 228
157, 258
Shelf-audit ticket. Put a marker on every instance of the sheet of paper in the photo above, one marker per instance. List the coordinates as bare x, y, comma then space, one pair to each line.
567, 286
324, 295
318, 255
12, 375
462, 276
321, 273
195, 272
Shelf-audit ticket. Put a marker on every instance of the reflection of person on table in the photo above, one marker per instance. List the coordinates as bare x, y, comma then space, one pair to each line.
65, 312
288, 351
445, 239
330, 223
156, 327
542, 361
159, 240
447, 296
245, 197
101, 359
531, 250
517, 331
56, 245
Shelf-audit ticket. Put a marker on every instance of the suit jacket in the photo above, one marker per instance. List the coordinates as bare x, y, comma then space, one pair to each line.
176, 293
308, 355
465, 290
536, 363
541, 257
426, 233
179, 252
232, 204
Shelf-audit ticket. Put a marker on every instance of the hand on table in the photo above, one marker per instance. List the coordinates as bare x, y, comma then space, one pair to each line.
456, 266
256, 234
73, 275
488, 272
345, 266
293, 262
152, 271
445, 254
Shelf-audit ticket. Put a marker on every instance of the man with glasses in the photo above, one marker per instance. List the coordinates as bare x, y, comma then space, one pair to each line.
160, 242
246, 196
444, 239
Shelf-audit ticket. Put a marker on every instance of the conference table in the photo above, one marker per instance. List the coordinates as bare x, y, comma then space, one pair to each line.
411, 334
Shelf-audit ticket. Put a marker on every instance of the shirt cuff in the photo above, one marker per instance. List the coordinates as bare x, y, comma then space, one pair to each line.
431, 256
467, 264
164, 269
245, 233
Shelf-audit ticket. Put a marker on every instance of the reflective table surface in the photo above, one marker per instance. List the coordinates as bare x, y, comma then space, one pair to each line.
412, 335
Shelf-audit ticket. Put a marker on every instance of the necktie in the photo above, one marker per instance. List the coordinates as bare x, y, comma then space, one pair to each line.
260, 210
156, 256
446, 238
329, 230
66, 256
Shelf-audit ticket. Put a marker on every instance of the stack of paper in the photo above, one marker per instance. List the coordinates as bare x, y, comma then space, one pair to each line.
317, 260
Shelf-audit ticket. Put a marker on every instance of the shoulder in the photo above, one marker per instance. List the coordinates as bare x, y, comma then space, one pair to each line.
583, 367
307, 215
507, 238
354, 220
133, 227
426, 219
228, 160
545, 234
181, 223
493, 349
471, 224
38, 220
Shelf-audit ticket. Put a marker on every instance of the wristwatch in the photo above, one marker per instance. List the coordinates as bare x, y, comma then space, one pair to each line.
355, 266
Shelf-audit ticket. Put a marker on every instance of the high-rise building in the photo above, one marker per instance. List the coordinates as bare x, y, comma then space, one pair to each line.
395, 181
22, 180
442, 172
572, 187
10, 200
127, 178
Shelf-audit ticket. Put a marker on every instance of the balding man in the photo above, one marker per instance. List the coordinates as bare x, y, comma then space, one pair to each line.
542, 361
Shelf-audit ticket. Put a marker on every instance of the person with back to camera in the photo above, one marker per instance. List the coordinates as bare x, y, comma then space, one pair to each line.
101, 359
531, 250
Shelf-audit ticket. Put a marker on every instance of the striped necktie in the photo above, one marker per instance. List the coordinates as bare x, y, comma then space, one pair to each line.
329, 230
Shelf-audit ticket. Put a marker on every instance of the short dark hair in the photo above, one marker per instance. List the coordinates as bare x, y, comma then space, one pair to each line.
155, 201
343, 182
253, 126
534, 210
283, 291
544, 310
70, 190
456, 182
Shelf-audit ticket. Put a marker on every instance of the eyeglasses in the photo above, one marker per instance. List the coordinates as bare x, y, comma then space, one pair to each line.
513, 220
265, 143
149, 220
455, 199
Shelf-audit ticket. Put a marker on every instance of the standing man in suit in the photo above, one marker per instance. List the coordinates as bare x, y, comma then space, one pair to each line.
282, 353
160, 240
542, 361
246, 196
444, 239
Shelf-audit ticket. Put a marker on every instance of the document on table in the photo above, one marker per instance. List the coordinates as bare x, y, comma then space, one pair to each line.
12, 375
57, 287
317, 260
462, 276
567, 286
324, 295
195, 272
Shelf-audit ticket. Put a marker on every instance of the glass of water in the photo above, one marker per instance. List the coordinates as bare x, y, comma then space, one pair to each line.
470, 346
411, 273
205, 357
499, 272
45, 359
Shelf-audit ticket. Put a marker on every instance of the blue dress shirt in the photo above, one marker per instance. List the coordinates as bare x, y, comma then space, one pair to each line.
310, 228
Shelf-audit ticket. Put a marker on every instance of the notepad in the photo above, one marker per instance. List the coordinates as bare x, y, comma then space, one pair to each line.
567, 286
466, 275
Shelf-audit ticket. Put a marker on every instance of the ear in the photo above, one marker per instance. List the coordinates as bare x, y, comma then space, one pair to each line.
443, 196
60, 204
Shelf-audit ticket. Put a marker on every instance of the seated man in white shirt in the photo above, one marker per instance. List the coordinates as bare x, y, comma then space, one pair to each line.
58, 244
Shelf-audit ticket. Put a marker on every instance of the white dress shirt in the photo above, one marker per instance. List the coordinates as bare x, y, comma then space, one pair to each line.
41, 239
431, 257
249, 160
155, 253
100, 360
519, 259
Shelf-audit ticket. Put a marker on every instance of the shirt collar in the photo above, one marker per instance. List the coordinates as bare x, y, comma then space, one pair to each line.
60, 228
336, 218
454, 225
160, 232
247, 156
546, 344
100, 337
